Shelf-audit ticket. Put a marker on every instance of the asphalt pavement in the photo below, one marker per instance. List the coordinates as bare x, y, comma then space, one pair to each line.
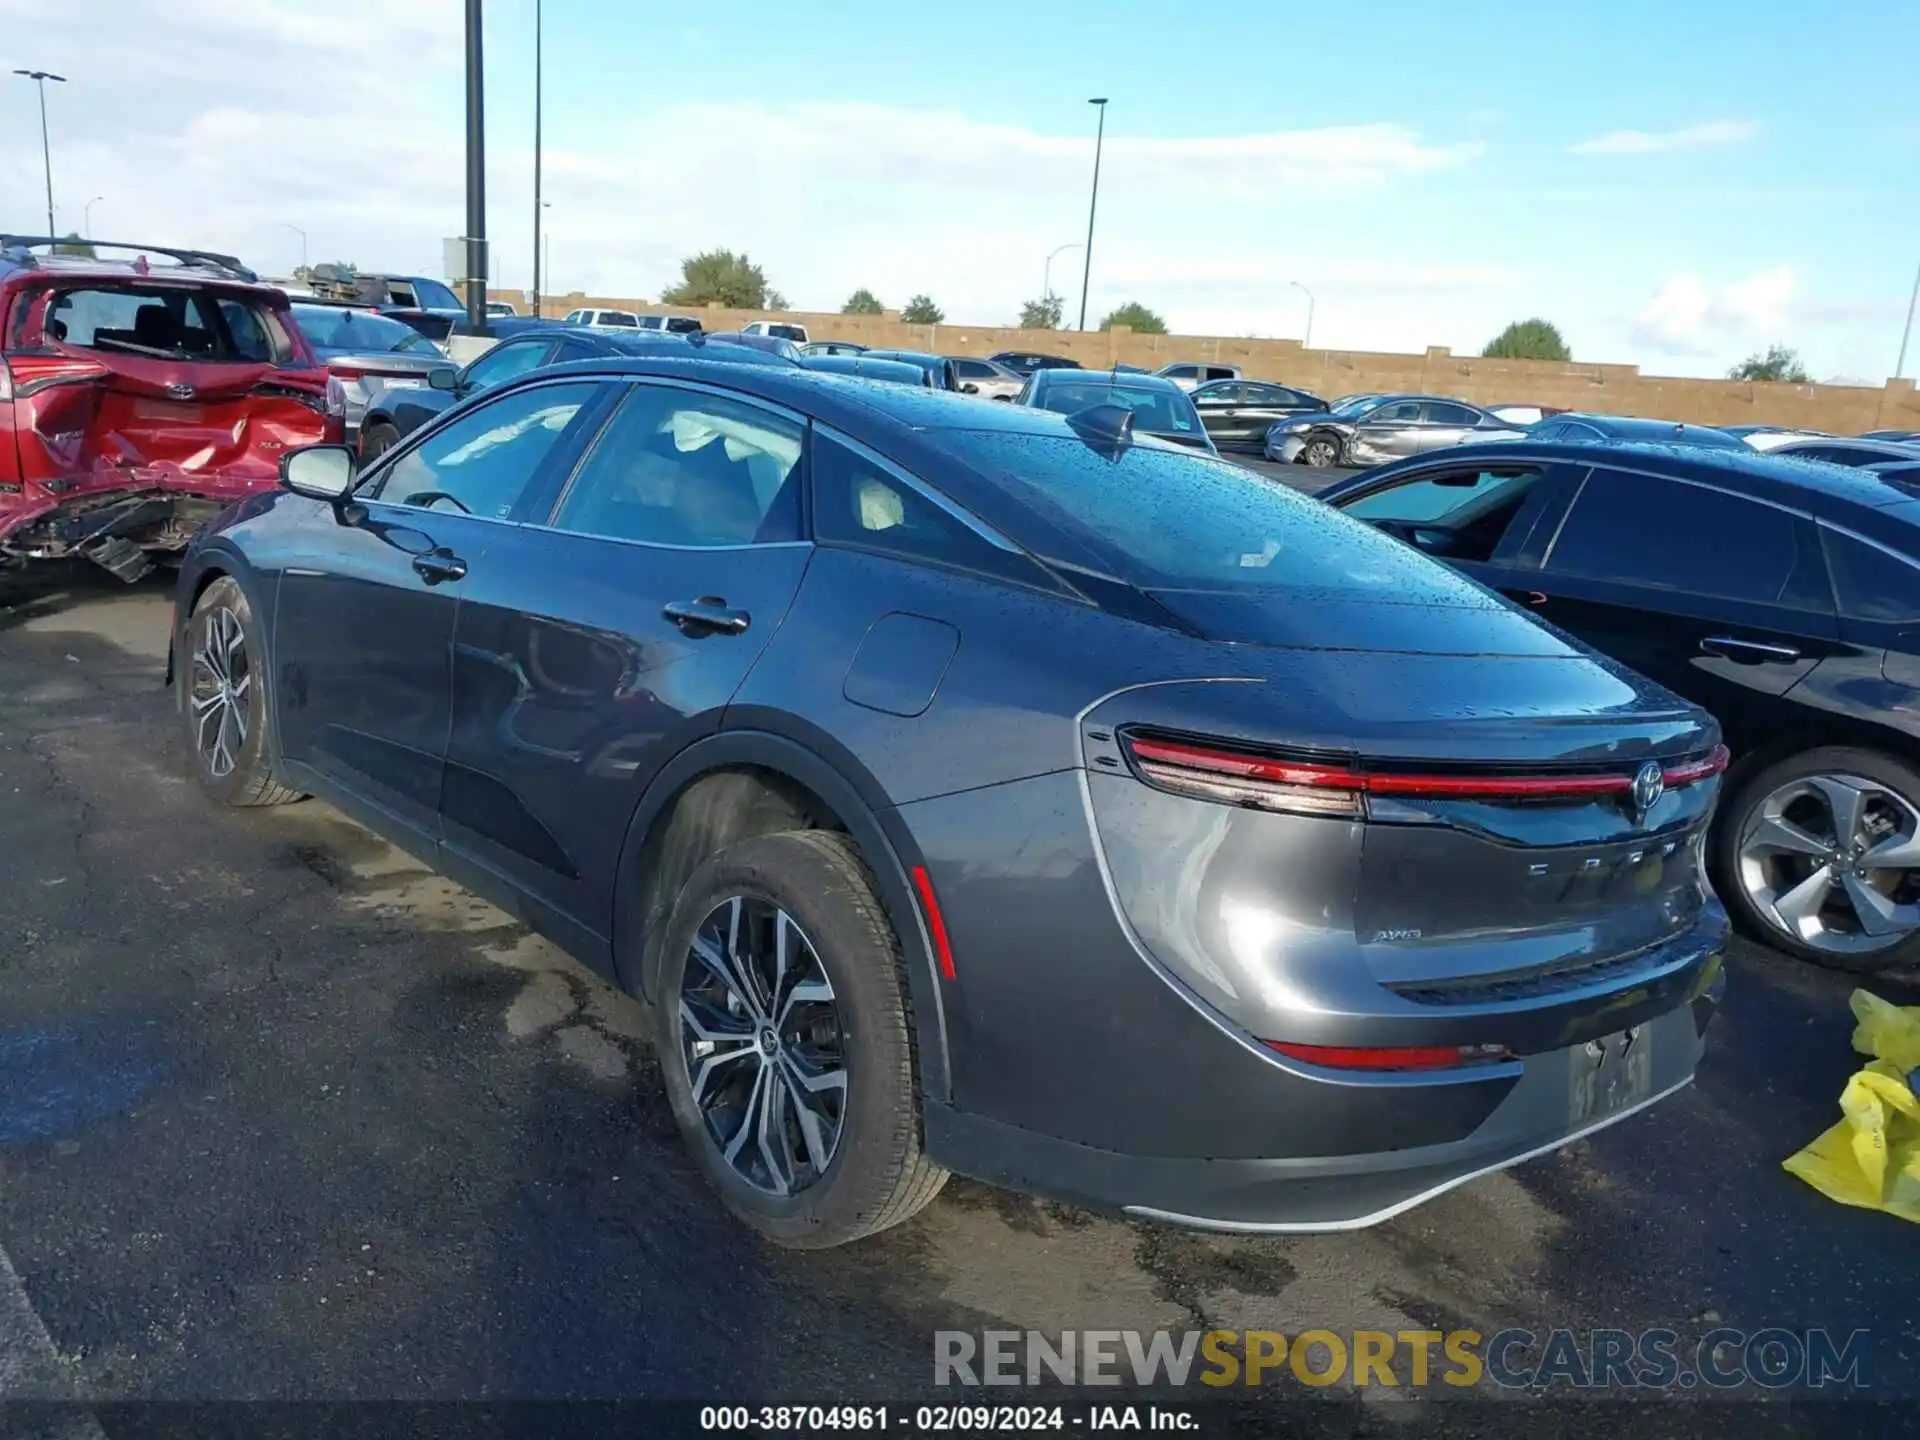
283, 1115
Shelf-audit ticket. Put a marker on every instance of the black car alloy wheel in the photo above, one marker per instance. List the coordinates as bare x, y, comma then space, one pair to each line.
762, 1044
220, 692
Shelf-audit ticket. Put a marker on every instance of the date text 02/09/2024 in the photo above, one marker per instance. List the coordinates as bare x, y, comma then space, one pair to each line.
943, 1419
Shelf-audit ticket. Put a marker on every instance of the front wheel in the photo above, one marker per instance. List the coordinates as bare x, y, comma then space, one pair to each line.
786, 1037
223, 703
1818, 855
1320, 453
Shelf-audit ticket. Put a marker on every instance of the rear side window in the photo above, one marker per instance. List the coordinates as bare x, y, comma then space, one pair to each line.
864, 505
1443, 414
1870, 583
1643, 530
164, 323
974, 369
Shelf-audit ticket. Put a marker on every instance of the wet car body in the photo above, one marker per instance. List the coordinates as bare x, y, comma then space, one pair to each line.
1249, 895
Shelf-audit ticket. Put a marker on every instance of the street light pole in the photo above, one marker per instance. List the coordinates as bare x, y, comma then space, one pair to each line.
40, 78
1307, 342
1046, 284
86, 216
1086, 260
476, 171
536, 155
1900, 365
285, 225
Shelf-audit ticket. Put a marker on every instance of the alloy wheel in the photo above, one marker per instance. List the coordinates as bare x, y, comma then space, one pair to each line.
1833, 861
1320, 454
221, 692
761, 1039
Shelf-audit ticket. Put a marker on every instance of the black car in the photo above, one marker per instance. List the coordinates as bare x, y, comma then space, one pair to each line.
1025, 362
1781, 594
1571, 426
940, 371
1238, 413
962, 791
394, 414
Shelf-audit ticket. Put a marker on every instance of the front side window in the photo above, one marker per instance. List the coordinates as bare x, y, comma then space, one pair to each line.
503, 362
1181, 372
164, 323
682, 324
1219, 372
362, 332
1162, 411
974, 369
619, 318
482, 463
1642, 530
1469, 510
687, 468
1398, 412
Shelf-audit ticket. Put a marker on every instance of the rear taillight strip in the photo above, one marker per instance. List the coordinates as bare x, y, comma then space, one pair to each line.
32, 373
1165, 760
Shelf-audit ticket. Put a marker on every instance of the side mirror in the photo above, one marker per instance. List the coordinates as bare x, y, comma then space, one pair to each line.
443, 377
969, 388
320, 472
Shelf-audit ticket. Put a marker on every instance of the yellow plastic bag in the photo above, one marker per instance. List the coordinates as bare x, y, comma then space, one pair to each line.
1872, 1157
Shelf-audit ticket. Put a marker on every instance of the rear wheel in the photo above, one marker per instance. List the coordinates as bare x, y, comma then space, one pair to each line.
786, 1038
1818, 855
222, 702
1320, 452
376, 439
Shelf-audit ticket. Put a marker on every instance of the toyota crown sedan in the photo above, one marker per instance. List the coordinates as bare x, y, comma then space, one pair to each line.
972, 788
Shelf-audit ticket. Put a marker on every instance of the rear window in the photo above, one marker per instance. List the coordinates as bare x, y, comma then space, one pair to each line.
1163, 519
682, 325
787, 332
1168, 412
167, 323
614, 317
359, 331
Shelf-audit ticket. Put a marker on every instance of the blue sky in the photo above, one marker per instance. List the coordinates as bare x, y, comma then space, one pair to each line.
1674, 186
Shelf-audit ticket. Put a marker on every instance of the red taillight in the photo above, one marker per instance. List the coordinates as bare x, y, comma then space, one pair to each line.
935, 921
1316, 788
1392, 1057
31, 373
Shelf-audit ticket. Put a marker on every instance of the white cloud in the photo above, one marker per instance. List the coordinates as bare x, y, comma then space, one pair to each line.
1688, 317
1653, 142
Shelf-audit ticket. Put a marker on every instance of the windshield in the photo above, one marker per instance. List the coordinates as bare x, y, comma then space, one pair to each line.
338, 331
432, 295
1163, 519
1155, 411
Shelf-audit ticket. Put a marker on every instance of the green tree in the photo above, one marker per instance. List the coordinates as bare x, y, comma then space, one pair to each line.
1778, 363
1042, 314
720, 277
922, 311
1534, 339
863, 302
1136, 317
74, 245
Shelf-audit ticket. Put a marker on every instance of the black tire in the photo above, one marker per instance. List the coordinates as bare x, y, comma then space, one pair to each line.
878, 1174
1737, 808
376, 439
249, 779
1320, 452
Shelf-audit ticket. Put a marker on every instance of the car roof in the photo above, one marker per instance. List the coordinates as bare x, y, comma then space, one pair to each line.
1815, 486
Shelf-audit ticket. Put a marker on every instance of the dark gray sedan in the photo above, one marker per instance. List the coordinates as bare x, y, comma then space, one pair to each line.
1375, 429
1238, 413
964, 788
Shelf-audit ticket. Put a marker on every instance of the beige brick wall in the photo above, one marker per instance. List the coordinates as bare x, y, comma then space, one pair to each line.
1607, 389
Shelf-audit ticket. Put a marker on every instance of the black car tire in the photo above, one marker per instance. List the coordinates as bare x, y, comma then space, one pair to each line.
1321, 452
250, 780
1750, 791
376, 439
879, 1175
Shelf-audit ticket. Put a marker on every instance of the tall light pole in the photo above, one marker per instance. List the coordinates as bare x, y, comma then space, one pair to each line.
86, 216
1086, 261
1046, 285
40, 78
537, 203
1900, 365
284, 225
1307, 342
476, 172
546, 205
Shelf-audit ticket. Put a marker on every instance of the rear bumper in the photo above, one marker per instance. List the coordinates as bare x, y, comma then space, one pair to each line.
1319, 1194
151, 516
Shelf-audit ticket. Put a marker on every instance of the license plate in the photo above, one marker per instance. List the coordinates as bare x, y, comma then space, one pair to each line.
1610, 1074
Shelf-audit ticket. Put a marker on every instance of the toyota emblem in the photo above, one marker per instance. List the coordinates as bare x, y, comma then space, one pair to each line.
180, 392
1649, 784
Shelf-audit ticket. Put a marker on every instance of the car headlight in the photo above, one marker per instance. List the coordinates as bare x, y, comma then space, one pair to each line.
1295, 427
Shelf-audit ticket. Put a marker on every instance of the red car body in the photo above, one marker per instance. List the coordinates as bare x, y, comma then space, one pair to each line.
118, 440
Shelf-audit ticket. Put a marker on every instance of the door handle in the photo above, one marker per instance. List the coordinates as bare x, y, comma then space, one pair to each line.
708, 615
1750, 652
438, 565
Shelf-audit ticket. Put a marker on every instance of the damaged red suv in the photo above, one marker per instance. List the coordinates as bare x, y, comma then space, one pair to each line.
138, 397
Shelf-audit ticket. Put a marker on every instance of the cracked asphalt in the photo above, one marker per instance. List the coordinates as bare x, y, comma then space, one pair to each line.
283, 1115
